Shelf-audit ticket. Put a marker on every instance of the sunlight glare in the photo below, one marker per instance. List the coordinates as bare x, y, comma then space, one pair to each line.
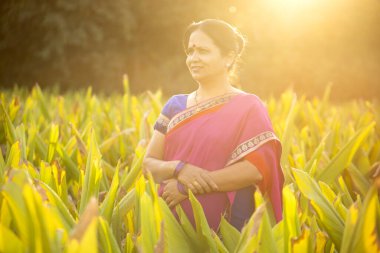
294, 4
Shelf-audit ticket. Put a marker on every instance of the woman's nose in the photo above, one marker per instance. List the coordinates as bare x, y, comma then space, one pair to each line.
193, 57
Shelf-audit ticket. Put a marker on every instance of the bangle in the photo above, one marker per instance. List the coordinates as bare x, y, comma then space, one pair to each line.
181, 188
178, 168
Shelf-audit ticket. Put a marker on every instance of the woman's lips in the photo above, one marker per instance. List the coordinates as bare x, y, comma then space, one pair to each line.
196, 68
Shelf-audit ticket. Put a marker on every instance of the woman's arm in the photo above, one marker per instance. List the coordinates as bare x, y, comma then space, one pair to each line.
153, 160
256, 168
236, 176
231, 178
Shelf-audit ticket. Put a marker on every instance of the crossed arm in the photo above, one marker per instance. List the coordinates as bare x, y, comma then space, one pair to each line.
198, 180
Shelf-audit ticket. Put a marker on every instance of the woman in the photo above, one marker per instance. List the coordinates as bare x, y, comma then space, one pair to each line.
217, 141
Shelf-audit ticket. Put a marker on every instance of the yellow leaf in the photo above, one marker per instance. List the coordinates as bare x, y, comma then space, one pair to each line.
88, 242
321, 240
9, 242
302, 243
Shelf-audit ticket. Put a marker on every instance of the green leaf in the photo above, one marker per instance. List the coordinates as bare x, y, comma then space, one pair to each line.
248, 241
291, 221
2, 168
201, 223
135, 171
9, 242
12, 193
107, 206
107, 144
327, 214
267, 244
349, 229
177, 240
54, 135
13, 160
364, 237
149, 231
71, 168
106, 238
230, 235
9, 128
360, 181
58, 203
196, 240
42, 102
124, 205
88, 241
38, 220
343, 159
286, 138
90, 187
20, 133
316, 154
40, 145
219, 244
346, 197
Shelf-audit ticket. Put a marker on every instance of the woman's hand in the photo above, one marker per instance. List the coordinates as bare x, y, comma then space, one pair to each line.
171, 194
197, 179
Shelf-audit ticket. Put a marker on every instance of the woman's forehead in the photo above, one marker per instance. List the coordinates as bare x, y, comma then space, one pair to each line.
200, 39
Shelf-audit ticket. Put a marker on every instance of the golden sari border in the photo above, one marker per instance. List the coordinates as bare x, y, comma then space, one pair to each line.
193, 110
163, 120
251, 145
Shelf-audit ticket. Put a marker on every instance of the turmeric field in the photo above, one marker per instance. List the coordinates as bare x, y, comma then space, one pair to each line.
71, 178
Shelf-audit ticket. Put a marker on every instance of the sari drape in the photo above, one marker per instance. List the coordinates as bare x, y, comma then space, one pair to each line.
220, 132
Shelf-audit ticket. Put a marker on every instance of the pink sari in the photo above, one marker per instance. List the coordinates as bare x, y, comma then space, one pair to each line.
219, 132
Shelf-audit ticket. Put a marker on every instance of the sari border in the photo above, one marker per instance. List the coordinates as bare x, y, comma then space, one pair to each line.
251, 145
163, 120
193, 110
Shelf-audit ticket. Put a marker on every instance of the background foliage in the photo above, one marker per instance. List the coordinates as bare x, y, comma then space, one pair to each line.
304, 44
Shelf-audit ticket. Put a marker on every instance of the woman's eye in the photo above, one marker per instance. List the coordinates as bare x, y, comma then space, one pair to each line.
189, 51
199, 51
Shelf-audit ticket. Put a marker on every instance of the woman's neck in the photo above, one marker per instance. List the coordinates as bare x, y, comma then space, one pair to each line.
213, 88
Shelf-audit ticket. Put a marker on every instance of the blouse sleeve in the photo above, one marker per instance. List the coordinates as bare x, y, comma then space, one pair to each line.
163, 119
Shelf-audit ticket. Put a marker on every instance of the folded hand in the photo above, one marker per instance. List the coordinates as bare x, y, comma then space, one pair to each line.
171, 194
197, 179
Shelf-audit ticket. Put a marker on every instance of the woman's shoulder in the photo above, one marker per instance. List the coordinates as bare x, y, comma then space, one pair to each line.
252, 105
251, 99
177, 99
174, 104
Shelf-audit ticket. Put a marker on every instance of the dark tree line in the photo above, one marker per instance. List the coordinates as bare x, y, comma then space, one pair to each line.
78, 43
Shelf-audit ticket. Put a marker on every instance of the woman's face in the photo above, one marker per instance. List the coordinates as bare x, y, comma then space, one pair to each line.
204, 58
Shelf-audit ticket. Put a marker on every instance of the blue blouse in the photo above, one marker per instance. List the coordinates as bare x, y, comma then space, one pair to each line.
175, 104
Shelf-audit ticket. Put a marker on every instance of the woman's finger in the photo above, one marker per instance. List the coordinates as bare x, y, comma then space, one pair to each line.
165, 195
210, 182
191, 187
172, 204
204, 184
168, 200
198, 187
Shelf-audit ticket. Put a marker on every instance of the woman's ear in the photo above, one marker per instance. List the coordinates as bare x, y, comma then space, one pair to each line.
230, 59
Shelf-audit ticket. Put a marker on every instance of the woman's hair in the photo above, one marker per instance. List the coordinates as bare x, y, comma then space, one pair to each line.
225, 36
